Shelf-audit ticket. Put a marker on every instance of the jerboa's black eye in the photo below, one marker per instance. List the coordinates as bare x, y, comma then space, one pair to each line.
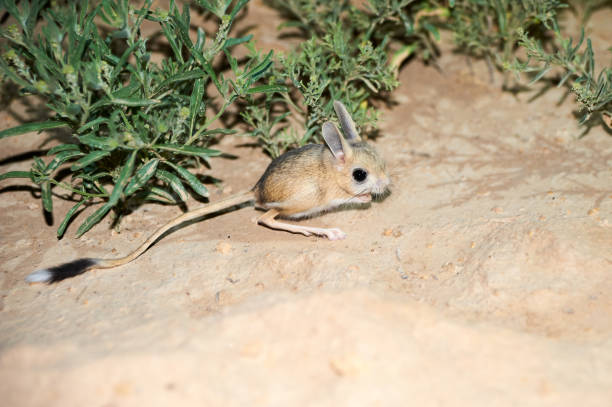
359, 174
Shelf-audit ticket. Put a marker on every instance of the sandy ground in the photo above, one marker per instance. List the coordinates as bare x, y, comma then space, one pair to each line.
484, 279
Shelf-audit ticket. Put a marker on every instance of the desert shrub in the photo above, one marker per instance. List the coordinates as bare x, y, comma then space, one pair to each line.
353, 50
573, 65
343, 55
524, 37
491, 29
136, 125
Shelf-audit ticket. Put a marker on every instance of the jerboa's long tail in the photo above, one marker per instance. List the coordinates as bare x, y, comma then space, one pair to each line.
79, 266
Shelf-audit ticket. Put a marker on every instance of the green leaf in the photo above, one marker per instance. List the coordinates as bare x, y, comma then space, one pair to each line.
180, 77
84, 41
29, 127
433, 30
170, 37
126, 91
501, 19
93, 219
231, 42
565, 78
120, 183
69, 215
200, 40
590, 57
16, 174
45, 189
239, 5
191, 179
219, 84
99, 143
182, 25
575, 49
133, 102
261, 68
122, 180
88, 159
61, 158
141, 177
62, 147
39, 164
267, 89
93, 123
160, 195
174, 182
41, 57
232, 61
188, 150
217, 8
92, 177
195, 103
540, 74
219, 131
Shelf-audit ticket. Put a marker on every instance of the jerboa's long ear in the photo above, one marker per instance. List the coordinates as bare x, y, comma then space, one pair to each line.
346, 122
336, 143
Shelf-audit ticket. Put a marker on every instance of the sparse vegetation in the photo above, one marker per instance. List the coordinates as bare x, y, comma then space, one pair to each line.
343, 55
524, 37
136, 125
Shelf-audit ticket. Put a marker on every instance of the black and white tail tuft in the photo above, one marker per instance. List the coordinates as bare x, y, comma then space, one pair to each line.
61, 272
